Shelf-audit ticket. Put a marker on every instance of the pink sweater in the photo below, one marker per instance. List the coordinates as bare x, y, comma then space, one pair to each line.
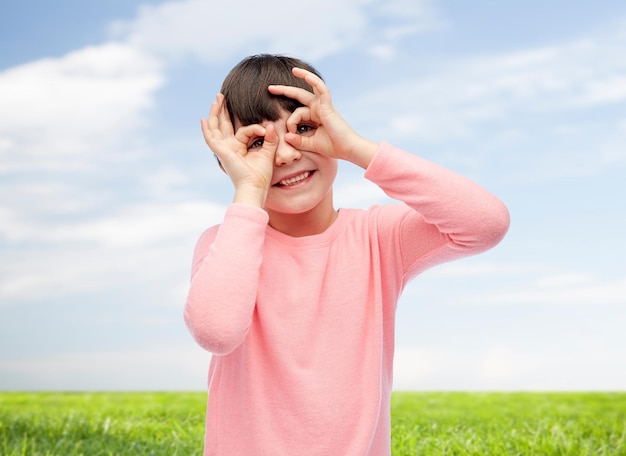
302, 329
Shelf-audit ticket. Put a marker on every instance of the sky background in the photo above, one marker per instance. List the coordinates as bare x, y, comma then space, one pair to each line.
106, 183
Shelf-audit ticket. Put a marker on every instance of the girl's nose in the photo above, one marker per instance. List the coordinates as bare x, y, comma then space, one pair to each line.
286, 154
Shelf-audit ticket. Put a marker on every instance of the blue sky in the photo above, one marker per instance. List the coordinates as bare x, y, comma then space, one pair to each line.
106, 183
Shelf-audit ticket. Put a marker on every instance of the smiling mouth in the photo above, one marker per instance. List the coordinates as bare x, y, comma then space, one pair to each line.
293, 180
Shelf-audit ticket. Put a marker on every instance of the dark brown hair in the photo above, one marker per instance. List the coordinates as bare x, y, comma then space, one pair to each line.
245, 87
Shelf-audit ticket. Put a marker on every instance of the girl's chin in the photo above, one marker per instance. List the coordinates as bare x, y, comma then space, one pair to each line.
292, 207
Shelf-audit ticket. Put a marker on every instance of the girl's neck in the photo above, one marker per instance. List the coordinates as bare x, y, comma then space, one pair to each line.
315, 221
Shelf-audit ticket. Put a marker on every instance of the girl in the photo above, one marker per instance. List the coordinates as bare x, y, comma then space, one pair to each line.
295, 299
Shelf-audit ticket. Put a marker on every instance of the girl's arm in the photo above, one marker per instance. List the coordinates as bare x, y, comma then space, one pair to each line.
452, 216
225, 274
227, 258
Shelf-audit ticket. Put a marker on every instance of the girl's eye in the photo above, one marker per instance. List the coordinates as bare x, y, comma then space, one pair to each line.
256, 144
304, 128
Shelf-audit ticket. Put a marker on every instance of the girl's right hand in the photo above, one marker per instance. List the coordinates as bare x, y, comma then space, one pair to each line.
250, 170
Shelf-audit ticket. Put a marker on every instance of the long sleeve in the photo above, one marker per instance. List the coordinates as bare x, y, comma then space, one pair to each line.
224, 281
453, 216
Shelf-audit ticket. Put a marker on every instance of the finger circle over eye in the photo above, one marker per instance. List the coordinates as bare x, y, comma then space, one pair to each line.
248, 131
302, 114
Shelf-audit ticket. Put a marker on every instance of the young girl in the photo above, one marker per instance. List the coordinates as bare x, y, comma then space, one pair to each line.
295, 299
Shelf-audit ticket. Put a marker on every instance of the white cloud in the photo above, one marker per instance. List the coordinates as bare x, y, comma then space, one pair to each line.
567, 279
139, 226
66, 270
140, 244
524, 284
165, 180
383, 52
214, 33
136, 225
353, 192
516, 101
610, 89
569, 289
479, 268
501, 367
406, 8
181, 367
57, 112
504, 364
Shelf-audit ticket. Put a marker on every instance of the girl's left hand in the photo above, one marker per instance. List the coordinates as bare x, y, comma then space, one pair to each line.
332, 137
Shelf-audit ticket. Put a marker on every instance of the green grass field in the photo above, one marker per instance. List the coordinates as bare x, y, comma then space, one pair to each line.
92, 424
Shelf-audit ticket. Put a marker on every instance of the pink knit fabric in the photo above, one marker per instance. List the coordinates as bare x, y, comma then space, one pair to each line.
302, 329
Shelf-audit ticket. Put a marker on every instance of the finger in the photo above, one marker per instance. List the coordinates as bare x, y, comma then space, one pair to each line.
213, 121
270, 141
225, 124
302, 95
248, 133
210, 125
204, 126
298, 141
299, 116
313, 80
207, 130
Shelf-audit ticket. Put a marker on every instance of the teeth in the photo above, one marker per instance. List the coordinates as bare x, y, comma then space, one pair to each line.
293, 180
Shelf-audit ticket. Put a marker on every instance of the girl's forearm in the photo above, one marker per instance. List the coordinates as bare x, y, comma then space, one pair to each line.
224, 282
470, 216
362, 152
250, 196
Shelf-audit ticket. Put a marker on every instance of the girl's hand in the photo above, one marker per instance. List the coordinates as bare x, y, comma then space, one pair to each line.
248, 164
331, 136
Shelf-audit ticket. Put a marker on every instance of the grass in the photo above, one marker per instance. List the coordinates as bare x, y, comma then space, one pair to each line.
99, 424
93, 424
522, 424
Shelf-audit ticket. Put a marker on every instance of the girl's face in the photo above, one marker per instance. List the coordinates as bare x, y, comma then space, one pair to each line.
301, 181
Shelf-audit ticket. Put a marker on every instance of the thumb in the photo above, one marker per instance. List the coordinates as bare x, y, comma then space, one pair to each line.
299, 142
